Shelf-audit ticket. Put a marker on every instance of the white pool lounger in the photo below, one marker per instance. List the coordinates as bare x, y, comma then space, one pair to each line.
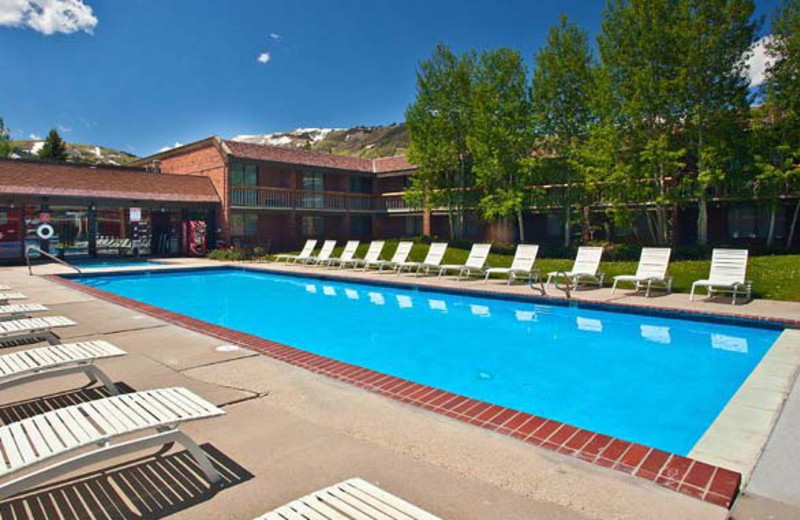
30, 328
6, 297
353, 499
20, 309
35, 364
37, 440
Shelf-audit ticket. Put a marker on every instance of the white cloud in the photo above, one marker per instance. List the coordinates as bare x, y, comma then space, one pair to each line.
758, 61
62, 128
264, 57
48, 16
275, 36
176, 145
34, 137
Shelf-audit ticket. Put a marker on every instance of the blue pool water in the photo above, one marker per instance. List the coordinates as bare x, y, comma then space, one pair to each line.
656, 381
90, 264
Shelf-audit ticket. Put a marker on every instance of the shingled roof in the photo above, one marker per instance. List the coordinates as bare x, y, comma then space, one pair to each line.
262, 152
71, 180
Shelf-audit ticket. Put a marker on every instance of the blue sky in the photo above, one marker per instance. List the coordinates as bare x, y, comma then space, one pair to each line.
140, 74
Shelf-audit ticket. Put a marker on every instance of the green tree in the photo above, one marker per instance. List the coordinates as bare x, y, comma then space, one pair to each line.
561, 97
5, 140
500, 136
777, 129
439, 122
715, 104
54, 148
641, 101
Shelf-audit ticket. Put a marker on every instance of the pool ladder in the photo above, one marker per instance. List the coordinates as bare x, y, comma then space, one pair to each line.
565, 287
48, 255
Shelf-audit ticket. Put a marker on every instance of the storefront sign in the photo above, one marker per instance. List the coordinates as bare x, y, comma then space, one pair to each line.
136, 214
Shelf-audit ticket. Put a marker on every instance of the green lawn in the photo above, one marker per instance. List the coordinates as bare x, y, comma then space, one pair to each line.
774, 277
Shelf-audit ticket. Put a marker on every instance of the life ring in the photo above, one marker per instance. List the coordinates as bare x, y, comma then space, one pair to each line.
45, 231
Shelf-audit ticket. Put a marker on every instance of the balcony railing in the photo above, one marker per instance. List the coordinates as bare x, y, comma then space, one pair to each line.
282, 198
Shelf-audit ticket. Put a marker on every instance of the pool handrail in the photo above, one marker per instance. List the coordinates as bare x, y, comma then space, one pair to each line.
47, 255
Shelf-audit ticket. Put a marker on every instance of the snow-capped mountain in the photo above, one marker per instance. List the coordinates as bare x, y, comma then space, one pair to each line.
360, 141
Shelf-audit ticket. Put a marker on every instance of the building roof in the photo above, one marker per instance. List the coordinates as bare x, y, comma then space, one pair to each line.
293, 156
263, 152
72, 180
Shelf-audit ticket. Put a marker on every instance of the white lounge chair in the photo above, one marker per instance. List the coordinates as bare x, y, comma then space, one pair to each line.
18, 310
584, 270
474, 264
324, 253
727, 275
433, 259
35, 364
348, 253
521, 265
4, 287
373, 255
31, 328
400, 256
6, 297
652, 270
41, 438
304, 254
353, 499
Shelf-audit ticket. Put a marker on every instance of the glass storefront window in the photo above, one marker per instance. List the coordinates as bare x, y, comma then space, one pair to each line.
11, 236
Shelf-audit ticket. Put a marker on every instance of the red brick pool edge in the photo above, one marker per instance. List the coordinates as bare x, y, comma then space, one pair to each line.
713, 484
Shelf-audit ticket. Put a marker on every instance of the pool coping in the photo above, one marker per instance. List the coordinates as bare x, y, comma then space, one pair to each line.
714, 484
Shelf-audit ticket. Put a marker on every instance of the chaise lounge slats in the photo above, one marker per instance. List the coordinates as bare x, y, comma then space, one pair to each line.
584, 270
54, 360
36, 440
373, 255
31, 327
433, 259
21, 308
727, 274
400, 256
324, 254
348, 253
353, 499
474, 264
521, 265
8, 296
305, 254
652, 270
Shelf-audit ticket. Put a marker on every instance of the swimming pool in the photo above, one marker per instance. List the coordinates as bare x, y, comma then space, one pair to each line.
96, 264
651, 380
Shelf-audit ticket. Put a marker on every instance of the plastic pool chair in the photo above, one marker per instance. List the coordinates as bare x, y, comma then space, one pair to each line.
31, 328
474, 264
37, 440
400, 256
324, 253
35, 364
6, 297
652, 270
304, 254
348, 254
432, 260
353, 499
521, 266
584, 270
4, 287
18, 310
727, 275
373, 254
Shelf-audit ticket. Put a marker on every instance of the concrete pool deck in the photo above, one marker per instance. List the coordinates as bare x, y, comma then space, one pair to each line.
294, 431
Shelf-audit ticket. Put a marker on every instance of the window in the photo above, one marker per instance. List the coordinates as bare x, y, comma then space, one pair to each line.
360, 226
753, 222
360, 185
555, 224
244, 224
312, 226
413, 226
313, 181
244, 174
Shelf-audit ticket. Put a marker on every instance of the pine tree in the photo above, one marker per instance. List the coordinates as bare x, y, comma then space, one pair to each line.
54, 149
